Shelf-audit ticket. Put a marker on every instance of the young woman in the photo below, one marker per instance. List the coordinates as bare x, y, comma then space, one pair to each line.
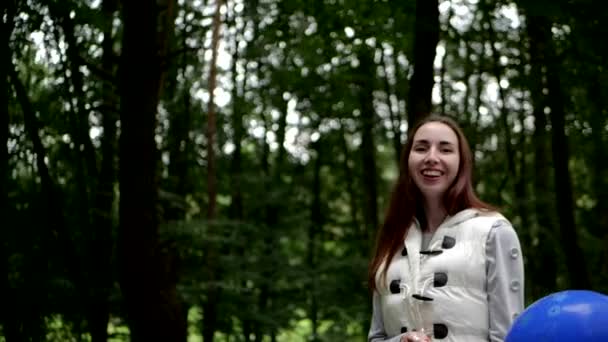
447, 266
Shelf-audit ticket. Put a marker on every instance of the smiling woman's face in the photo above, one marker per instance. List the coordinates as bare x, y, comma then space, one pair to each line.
434, 159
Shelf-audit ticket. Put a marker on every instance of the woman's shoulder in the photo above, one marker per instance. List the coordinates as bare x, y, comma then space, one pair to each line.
487, 220
489, 214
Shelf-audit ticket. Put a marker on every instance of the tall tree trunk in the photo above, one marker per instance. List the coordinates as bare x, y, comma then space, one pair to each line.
394, 115
8, 306
179, 145
237, 205
52, 199
213, 292
211, 124
542, 265
402, 87
84, 153
316, 225
368, 117
600, 157
272, 210
101, 243
147, 284
350, 188
446, 30
486, 12
425, 42
517, 175
469, 125
236, 165
539, 31
599, 228
179, 148
543, 258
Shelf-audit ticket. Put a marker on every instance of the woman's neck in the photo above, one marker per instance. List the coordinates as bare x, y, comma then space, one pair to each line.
435, 214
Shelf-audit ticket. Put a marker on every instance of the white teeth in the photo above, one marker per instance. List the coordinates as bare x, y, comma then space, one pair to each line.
431, 173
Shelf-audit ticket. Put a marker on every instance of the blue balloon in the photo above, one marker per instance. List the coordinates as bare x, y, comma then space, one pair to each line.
572, 315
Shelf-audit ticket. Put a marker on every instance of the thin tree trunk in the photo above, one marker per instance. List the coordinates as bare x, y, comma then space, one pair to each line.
543, 258
149, 288
316, 225
179, 144
236, 211
402, 88
273, 179
539, 31
425, 42
8, 306
600, 157
210, 306
469, 108
368, 155
101, 243
236, 167
211, 123
84, 147
350, 187
444, 89
237, 203
394, 117
522, 203
599, 228
51, 198
167, 10
486, 9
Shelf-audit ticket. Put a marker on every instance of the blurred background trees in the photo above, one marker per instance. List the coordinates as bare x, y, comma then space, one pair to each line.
159, 183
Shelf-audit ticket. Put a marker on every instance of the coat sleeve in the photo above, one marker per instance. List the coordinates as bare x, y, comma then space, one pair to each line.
505, 279
376, 331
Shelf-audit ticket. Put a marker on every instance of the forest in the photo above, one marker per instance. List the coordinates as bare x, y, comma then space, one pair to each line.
200, 170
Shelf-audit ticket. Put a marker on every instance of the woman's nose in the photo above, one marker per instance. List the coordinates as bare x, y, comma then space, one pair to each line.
431, 156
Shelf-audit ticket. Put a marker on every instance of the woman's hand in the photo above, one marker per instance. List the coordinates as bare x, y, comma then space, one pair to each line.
415, 336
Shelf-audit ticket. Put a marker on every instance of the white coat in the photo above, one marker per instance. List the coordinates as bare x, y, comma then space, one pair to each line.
443, 289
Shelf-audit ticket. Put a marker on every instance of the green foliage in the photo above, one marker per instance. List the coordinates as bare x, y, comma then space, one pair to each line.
290, 235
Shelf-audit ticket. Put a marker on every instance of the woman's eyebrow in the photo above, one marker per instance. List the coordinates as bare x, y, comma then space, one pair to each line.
426, 142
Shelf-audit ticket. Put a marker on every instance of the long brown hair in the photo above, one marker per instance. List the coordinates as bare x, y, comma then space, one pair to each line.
406, 200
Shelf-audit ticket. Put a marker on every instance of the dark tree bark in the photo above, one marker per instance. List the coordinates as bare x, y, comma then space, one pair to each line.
146, 277
101, 279
56, 234
517, 175
486, 9
316, 226
237, 205
539, 31
236, 164
425, 42
211, 304
366, 75
599, 227
179, 146
470, 106
85, 151
542, 258
8, 305
272, 210
350, 187
394, 116
211, 124
446, 31
542, 263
